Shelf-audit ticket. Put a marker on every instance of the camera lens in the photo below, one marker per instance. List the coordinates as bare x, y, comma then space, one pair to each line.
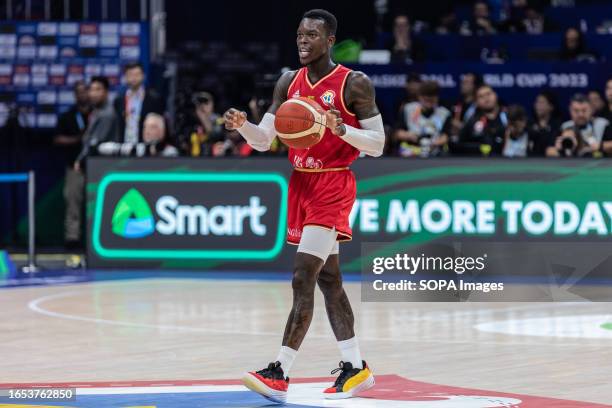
567, 143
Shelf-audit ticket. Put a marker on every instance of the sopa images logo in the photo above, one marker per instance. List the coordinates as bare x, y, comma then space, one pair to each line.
132, 217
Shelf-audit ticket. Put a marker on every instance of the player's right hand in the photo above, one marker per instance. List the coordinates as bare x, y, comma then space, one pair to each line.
234, 118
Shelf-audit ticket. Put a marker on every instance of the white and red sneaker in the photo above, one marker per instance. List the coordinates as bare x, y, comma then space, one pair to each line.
270, 382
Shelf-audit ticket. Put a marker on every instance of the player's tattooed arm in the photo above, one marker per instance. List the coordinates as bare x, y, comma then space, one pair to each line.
360, 95
280, 91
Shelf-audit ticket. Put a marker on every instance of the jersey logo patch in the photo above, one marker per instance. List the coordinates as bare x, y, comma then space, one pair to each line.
328, 97
296, 94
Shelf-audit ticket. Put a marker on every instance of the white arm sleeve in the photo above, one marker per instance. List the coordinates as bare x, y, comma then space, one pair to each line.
370, 139
259, 137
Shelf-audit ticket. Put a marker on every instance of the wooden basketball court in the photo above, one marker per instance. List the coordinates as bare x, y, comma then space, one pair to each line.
172, 330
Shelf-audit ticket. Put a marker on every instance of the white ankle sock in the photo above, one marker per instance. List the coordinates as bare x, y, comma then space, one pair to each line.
286, 355
350, 352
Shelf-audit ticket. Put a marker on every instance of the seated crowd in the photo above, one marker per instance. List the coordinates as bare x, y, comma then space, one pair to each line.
479, 125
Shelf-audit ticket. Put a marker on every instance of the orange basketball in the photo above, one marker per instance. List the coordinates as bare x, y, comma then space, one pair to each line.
300, 122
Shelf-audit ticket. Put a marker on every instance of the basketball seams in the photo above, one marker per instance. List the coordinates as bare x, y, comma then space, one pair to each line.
307, 106
303, 133
314, 128
304, 119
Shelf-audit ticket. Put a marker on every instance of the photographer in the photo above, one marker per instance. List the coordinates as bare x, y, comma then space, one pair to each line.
484, 133
203, 128
424, 126
581, 136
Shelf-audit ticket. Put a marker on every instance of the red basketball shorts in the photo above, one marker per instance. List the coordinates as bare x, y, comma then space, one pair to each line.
323, 199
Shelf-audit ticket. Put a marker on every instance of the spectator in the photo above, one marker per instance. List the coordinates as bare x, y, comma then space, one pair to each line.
204, 128
71, 126
405, 49
466, 106
154, 141
608, 114
135, 103
598, 105
517, 142
546, 123
103, 123
448, 23
514, 23
582, 135
535, 22
574, 47
424, 126
156, 137
484, 133
480, 23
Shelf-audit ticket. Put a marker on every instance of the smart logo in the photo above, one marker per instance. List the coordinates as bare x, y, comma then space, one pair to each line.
132, 217
189, 215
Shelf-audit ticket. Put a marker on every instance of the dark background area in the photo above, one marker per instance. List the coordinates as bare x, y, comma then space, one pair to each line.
277, 20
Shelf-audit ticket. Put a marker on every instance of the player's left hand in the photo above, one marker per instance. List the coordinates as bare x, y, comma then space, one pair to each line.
334, 122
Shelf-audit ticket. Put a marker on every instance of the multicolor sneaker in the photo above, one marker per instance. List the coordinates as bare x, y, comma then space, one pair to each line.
269, 382
350, 382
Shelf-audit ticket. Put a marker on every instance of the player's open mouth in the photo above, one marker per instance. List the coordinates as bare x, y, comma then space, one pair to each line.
304, 53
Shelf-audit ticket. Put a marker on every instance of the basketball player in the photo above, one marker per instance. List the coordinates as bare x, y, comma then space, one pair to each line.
322, 191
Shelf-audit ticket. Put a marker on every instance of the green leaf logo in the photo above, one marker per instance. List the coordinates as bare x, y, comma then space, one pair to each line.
132, 217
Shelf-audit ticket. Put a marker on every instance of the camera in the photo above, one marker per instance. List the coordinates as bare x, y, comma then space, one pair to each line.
569, 139
568, 143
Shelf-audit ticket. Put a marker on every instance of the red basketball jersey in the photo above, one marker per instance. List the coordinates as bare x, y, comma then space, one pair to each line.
331, 151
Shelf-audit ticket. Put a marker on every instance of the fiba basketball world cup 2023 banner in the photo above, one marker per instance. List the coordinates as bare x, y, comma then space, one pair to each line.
548, 219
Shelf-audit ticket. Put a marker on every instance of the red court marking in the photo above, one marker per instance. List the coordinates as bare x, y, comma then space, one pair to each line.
388, 387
